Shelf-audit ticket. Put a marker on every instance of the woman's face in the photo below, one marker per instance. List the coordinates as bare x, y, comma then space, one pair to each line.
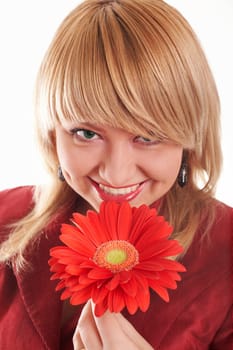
106, 163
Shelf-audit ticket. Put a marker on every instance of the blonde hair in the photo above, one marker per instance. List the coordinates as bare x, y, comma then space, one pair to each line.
134, 64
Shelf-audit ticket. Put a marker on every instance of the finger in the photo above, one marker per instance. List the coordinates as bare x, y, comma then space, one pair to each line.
107, 327
77, 340
130, 331
115, 329
86, 334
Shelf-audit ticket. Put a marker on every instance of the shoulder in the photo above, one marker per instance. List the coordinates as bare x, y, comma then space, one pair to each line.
219, 234
207, 284
220, 237
223, 211
222, 226
15, 203
212, 251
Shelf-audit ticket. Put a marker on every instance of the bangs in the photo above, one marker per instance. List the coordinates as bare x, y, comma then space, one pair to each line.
121, 68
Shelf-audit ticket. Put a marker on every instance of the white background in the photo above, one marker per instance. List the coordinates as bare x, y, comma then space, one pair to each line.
26, 29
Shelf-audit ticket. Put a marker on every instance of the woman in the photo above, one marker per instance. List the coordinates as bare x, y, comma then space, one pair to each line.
127, 109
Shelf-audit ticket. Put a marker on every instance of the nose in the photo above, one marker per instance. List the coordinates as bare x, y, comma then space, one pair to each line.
118, 166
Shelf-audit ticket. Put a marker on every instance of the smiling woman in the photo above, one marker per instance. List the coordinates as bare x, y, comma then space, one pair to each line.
127, 119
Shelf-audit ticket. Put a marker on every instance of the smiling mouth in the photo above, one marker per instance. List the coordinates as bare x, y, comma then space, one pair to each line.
118, 193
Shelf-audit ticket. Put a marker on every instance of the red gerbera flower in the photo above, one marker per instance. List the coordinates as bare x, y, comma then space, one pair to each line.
115, 256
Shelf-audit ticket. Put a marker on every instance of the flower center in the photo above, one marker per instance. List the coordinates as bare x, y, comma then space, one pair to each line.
116, 256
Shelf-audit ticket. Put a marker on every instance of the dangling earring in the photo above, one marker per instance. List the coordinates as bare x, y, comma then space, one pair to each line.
60, 174
183, 173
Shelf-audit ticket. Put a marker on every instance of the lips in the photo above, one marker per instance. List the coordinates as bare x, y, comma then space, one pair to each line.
118, 193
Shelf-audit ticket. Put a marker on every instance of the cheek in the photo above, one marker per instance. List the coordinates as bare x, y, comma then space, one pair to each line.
166, 165
74, 161
67, 155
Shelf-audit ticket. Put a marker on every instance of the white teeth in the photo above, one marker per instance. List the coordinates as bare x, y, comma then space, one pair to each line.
118, 191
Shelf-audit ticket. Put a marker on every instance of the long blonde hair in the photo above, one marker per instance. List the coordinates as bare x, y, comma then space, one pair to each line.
134, 64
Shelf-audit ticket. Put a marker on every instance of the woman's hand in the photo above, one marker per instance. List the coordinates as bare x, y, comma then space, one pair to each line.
108, 332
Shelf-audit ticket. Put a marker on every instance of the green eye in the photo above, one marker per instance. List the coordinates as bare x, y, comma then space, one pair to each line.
87, 134
84, 134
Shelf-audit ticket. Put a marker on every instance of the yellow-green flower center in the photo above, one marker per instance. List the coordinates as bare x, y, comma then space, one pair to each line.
116, 256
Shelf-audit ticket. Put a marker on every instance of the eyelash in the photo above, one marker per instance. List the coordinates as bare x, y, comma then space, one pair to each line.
146, 141
75, 131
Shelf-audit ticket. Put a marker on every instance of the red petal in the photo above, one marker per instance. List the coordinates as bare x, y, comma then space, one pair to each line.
88, 264
167, 280
162, 248
78, 242
59, 276
140, 215
125, 276
99, 273
141, 280
52, 261
99, 230
147, 275
113, 283
161, 291
155, 230
85, 280
150, 265
100, 308
65, 254
81, 296
71, 282
108, 218
173, 274
131, 304
60, 285
143, 299
124, 221
171, 265
99, 294
65, 295
116, 301
153, 235
73, 270
56, 267
130, 288
90, 227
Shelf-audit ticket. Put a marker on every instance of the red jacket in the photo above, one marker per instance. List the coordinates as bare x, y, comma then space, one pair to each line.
198, 316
